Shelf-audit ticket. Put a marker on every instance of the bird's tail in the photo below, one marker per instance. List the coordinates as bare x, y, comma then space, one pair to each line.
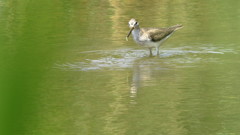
177, 27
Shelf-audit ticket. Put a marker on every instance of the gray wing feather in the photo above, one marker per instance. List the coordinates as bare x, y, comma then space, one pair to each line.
157, 34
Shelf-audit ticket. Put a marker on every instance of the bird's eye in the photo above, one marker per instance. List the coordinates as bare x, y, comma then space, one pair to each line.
135, 23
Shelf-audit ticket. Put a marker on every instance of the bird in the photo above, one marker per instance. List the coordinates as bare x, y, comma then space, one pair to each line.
150, 37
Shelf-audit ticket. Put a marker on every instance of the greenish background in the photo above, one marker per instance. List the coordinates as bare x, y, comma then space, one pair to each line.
66, 68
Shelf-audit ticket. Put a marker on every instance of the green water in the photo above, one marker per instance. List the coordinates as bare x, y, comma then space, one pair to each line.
66, 68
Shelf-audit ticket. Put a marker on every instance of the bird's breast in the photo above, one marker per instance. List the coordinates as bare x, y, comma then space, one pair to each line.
140, 37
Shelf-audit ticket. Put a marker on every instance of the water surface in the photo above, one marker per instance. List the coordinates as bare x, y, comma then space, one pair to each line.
66, 68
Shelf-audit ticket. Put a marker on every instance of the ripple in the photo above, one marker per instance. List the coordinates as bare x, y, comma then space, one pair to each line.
125, 58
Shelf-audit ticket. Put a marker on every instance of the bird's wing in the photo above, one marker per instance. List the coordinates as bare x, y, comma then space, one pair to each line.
157, 34
160, 34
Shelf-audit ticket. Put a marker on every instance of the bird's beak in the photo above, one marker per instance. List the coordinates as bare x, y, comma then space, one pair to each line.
129, 33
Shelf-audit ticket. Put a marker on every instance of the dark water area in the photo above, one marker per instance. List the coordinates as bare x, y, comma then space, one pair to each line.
66, 68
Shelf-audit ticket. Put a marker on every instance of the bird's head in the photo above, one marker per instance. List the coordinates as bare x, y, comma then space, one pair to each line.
132, 25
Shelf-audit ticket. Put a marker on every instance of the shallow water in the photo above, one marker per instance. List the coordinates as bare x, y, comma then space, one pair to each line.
66, 68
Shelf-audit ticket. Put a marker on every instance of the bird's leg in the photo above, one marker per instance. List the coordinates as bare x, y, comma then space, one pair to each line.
157, 48
150, 50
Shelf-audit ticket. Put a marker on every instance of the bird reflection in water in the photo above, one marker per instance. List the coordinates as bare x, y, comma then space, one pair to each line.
143, 74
